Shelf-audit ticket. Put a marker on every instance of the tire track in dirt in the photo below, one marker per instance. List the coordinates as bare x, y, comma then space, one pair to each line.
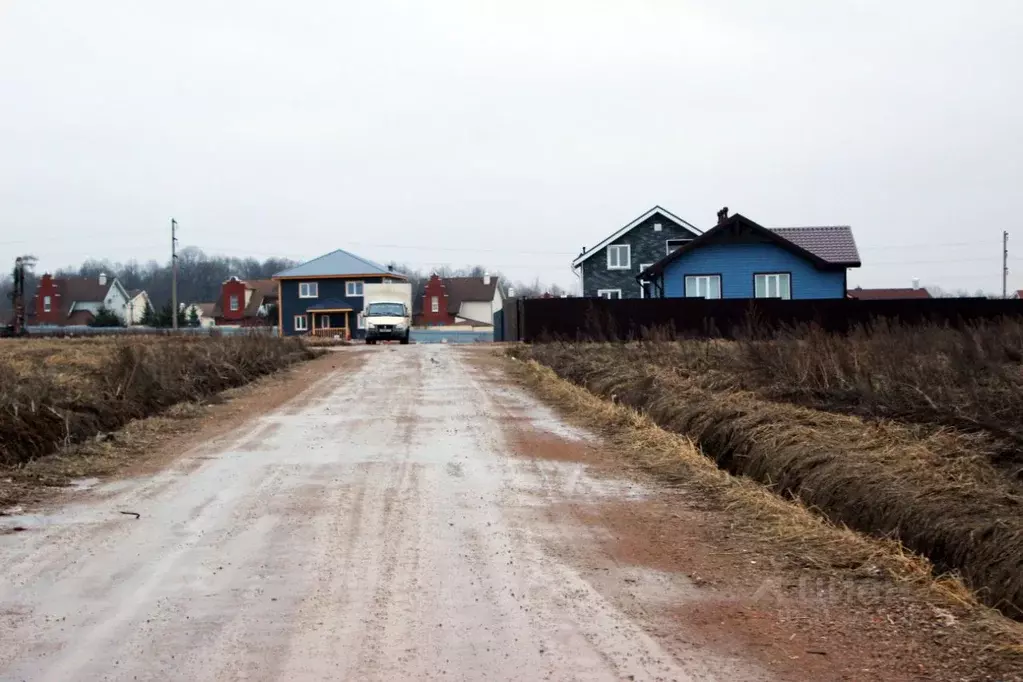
341, 544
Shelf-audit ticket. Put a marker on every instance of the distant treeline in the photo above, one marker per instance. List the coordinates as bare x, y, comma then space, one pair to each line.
200, 276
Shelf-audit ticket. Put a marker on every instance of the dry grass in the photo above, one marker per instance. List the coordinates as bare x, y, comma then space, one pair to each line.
798, 534
934, 494
57, 392
970, 378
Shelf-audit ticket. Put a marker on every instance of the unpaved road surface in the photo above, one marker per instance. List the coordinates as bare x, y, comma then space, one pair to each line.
380, 527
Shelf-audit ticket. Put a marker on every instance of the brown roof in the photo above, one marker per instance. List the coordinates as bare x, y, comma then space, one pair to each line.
263, 291
84, 289
206, 308
79, 290
887, 294
834, 244
461, 289
827, 247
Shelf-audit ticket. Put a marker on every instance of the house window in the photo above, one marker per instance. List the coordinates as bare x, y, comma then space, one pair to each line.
324, 321
672, 244
642, 288
360, 321
772, 285
619, 257
301, 324
308, 289
353, 288
609, 293
234, 304
47, 306
703, 286
434, 304
657, 227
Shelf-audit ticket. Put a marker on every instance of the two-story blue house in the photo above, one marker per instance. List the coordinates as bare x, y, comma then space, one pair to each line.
738, 258
323, 297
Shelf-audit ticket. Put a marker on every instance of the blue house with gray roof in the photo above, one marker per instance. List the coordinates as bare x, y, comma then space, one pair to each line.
738, 258
323, 297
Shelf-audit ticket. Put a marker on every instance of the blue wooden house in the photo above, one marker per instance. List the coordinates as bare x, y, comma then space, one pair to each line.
738, 258
323, 297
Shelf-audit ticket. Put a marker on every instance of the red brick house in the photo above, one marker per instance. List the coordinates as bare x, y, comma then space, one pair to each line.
460, 300
73, 301
245, 303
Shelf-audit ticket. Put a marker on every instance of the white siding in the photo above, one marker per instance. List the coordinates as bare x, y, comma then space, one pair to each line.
498, 298
480, 311
136, 309
117, 301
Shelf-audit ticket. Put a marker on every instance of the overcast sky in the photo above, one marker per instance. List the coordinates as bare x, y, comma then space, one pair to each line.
511, 134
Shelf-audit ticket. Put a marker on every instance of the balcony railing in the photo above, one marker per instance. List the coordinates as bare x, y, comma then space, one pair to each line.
331, 332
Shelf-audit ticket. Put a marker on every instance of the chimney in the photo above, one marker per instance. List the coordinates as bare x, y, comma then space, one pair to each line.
486, 278
102, 279
916, 283
722, 215
390, 268
511, 292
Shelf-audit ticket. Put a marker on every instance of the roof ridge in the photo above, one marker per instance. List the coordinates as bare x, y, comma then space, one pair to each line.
365, 261
631, 225
658, 207
360, 258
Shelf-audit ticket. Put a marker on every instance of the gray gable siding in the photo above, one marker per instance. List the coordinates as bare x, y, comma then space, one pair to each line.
647, 247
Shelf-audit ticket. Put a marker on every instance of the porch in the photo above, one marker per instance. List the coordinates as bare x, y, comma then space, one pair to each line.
331, 318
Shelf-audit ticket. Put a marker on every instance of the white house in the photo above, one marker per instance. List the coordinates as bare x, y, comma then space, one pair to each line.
135, 310
475, 305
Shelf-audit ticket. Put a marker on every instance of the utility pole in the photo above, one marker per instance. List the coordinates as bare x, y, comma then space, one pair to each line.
174, 274
1005, 263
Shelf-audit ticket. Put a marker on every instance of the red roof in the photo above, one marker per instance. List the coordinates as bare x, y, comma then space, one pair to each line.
887, 294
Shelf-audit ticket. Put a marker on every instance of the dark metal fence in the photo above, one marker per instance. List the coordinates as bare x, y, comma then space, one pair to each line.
599, 319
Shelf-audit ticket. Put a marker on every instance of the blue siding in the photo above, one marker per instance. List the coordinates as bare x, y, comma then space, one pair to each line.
737, 263
292, 305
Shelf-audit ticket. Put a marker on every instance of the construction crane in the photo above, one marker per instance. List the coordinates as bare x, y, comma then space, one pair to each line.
17, 326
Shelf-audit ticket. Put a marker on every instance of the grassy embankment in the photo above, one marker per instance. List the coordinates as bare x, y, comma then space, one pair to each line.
55, 393
912, 434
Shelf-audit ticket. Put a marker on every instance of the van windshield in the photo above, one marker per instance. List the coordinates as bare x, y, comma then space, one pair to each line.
385, 310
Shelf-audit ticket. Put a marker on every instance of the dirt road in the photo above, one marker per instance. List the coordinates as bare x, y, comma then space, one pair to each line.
381, 526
